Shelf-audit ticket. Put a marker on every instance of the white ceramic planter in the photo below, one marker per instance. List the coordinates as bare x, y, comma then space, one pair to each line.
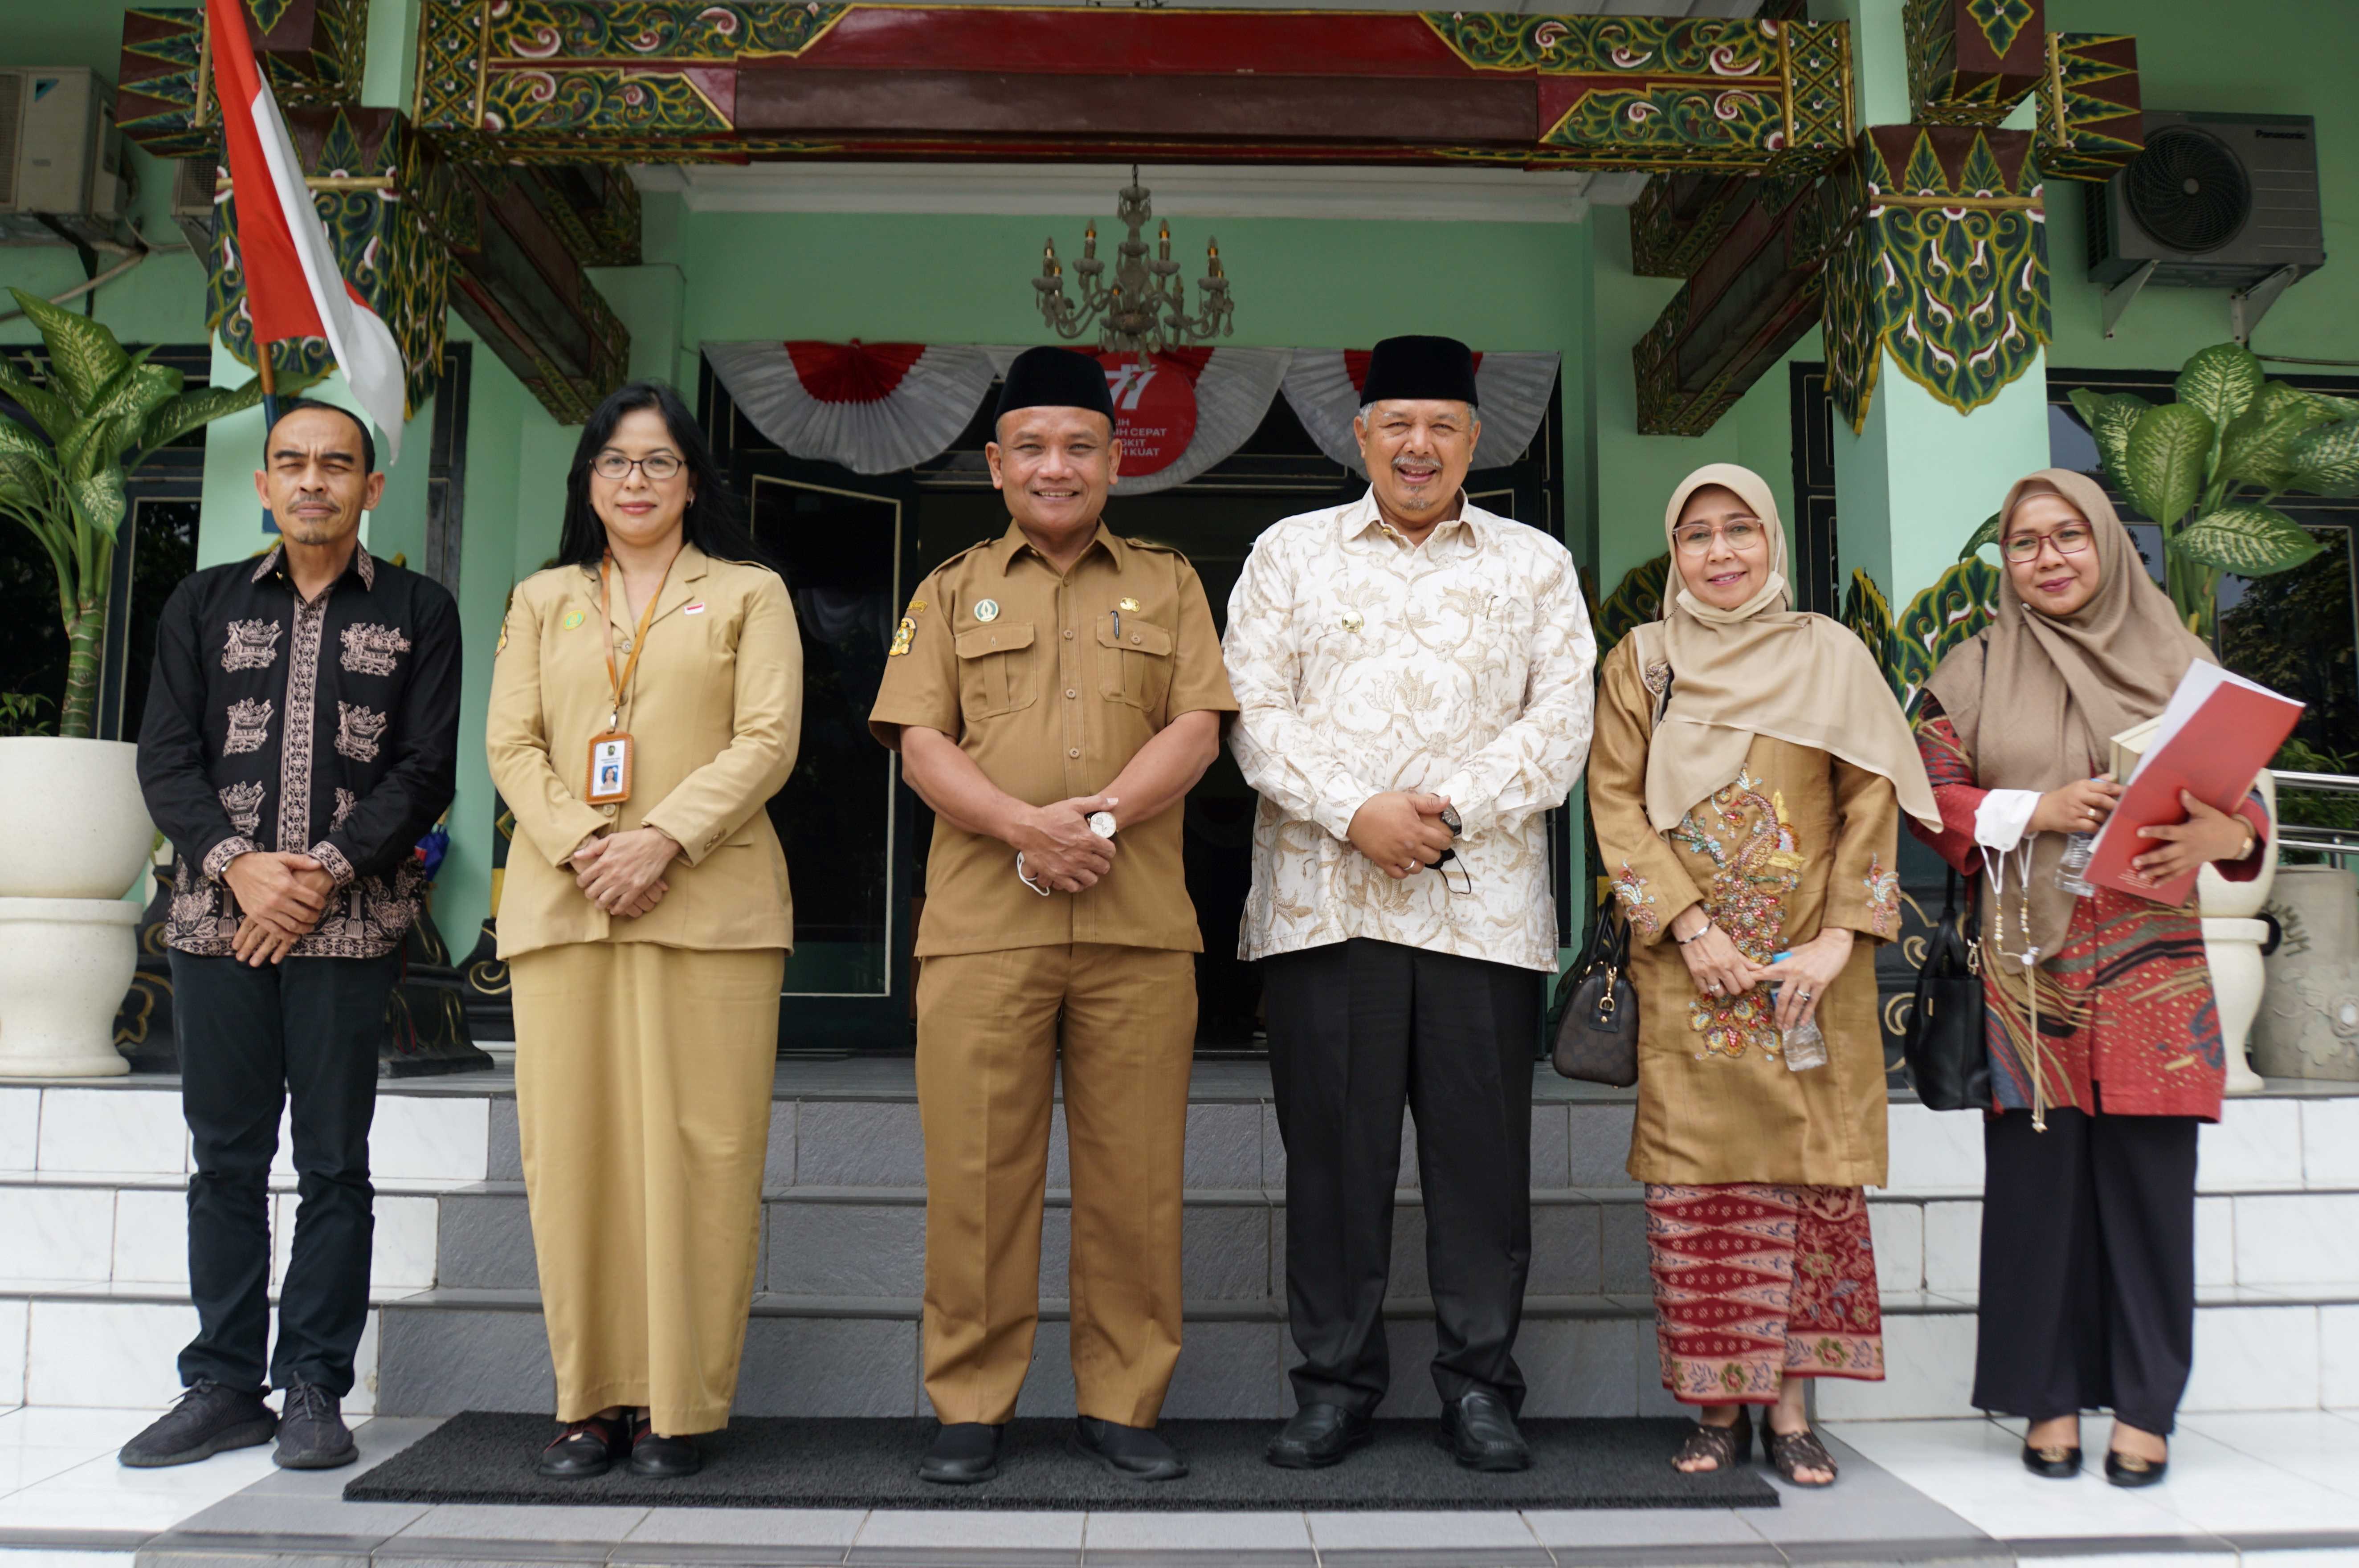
81, 828
2308, 1023
2232, 949
64, 965
2220, 899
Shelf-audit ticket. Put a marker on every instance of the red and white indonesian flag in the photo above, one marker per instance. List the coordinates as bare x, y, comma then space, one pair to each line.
293, 289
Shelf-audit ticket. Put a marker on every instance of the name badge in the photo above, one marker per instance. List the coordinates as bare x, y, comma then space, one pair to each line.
610, 769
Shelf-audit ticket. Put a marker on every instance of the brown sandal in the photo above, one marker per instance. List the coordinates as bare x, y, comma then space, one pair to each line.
1728, 1446
1792, 1451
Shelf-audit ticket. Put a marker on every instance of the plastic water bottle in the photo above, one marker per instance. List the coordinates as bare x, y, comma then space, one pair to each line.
1804, 1046
2072, 870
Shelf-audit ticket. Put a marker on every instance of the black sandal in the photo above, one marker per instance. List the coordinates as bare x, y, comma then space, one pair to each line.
1792, 1451
585, 1448
1728, 1446
2130, 1470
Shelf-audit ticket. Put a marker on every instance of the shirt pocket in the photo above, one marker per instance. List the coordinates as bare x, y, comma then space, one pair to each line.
996, 673
1135, 667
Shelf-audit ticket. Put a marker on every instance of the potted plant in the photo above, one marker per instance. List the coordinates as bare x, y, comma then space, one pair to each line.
66, 953
2209, 467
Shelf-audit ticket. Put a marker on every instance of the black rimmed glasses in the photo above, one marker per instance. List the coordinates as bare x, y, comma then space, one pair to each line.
659, 467
2069, 540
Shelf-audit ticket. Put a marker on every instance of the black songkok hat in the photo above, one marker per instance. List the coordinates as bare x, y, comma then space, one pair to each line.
1055, 378
1420, 368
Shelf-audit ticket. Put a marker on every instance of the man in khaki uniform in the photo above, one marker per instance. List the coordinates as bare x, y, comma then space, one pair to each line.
1053, 695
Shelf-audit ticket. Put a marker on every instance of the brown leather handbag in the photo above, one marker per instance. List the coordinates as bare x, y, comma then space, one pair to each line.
1593, 1029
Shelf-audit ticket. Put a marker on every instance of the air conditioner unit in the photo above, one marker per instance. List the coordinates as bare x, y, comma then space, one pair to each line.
193, 200
59, 156
2214, 202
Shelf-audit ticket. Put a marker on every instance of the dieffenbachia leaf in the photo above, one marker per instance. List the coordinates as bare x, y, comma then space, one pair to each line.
2258, 446
2110, 416
83, 355
2246, 538
2163, 468
2221, 382
2325, 462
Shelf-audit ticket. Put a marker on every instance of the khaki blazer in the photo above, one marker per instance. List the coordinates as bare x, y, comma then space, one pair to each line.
714, 713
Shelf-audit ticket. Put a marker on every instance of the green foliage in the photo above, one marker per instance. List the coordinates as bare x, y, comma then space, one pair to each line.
2210, 466
100, 413
20, 713
2332, 810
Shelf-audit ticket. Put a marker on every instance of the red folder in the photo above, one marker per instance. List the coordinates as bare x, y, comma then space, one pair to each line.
2217, 734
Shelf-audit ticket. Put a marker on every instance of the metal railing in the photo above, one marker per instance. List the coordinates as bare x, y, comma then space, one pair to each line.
2339, 844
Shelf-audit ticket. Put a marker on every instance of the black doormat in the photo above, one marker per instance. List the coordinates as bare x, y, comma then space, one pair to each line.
1619, 1463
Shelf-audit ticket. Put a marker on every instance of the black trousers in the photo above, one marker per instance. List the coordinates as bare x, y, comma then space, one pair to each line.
1357, 1029
2088, 1267
304, 1030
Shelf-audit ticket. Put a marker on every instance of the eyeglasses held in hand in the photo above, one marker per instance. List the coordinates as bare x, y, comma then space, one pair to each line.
2069, 540
1696, 538
1463, 885
659, 468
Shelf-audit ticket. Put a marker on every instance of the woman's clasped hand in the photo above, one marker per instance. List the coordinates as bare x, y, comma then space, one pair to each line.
1722, 972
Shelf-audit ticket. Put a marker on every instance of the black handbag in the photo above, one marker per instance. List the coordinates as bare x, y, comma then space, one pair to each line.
1944, 1046
1593, 1027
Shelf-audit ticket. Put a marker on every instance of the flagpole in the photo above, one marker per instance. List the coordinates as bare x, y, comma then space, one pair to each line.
269, 414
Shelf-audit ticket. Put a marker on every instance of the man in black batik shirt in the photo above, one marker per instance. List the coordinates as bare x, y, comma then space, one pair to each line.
299, 738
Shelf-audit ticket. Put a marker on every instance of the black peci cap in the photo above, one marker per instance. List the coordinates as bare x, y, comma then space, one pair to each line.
1055, 378
1420, 368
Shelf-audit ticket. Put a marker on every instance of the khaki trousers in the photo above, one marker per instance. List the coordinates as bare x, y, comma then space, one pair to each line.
643, 1098
990, 1026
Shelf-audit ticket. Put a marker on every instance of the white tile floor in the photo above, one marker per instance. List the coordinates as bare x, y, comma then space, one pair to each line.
2233, 1475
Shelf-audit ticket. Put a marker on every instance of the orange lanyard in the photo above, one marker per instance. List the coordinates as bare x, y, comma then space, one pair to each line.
620, 680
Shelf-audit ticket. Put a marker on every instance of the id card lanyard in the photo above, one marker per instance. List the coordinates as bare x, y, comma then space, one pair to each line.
610, 754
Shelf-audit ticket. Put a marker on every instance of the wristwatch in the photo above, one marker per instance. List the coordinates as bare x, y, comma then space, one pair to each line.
1449, 820
1101, 824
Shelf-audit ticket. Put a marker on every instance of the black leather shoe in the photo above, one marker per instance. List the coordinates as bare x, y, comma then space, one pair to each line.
2055, 1464
2128, 1470
312, 1431
1319, 1435
211, 1418
1480, 1432
964, 1452
661, 1458
586, 1449
1132, 1452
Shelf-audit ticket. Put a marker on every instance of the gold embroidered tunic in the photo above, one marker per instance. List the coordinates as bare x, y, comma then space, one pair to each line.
1799, 839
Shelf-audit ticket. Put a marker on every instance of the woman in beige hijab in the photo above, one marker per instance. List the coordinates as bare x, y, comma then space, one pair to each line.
1747, 783
2088, 1276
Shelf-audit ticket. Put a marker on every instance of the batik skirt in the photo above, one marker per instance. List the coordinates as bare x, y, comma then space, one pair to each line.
1755, 1283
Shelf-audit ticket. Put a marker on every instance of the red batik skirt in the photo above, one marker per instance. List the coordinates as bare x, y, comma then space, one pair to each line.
1755, 1283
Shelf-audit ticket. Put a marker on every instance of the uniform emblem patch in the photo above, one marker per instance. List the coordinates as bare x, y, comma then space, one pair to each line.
573, 617
1130, 607
902, 636
987, 609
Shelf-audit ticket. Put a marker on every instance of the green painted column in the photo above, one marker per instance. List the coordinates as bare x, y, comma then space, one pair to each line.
1917, 476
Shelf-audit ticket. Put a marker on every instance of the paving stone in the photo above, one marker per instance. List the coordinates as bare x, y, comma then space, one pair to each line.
1550, 1167
1599, 1145
1409, 1348
1273, 1150
841, 1367
505, 1159
483, 1241
1623, 1228
858, 1143
1566, 1258
1578, 1367
442, 1361
847, 1250
1226, 1369
1224, 1145
1224, 1253
779, 1158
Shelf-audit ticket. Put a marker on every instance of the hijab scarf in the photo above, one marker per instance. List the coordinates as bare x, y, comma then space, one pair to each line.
1764, 668
2067, 684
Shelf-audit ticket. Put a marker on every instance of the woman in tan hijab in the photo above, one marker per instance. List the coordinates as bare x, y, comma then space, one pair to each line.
2088, 1273
1750, 769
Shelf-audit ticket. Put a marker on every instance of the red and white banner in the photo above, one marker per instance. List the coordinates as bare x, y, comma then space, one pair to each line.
293, 288
871, 408
1324, 386
883, 408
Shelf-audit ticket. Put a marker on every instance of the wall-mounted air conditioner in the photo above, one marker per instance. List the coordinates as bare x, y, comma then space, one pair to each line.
193, 200
61, 159
2214, 202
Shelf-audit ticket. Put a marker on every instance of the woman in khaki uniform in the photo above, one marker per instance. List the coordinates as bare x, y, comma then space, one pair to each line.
646, 705
1746, 785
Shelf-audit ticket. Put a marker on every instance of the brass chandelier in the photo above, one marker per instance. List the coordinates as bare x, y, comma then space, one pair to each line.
1144, 310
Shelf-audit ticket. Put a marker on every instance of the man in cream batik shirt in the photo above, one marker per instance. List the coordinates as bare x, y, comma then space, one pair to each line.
1413, 678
